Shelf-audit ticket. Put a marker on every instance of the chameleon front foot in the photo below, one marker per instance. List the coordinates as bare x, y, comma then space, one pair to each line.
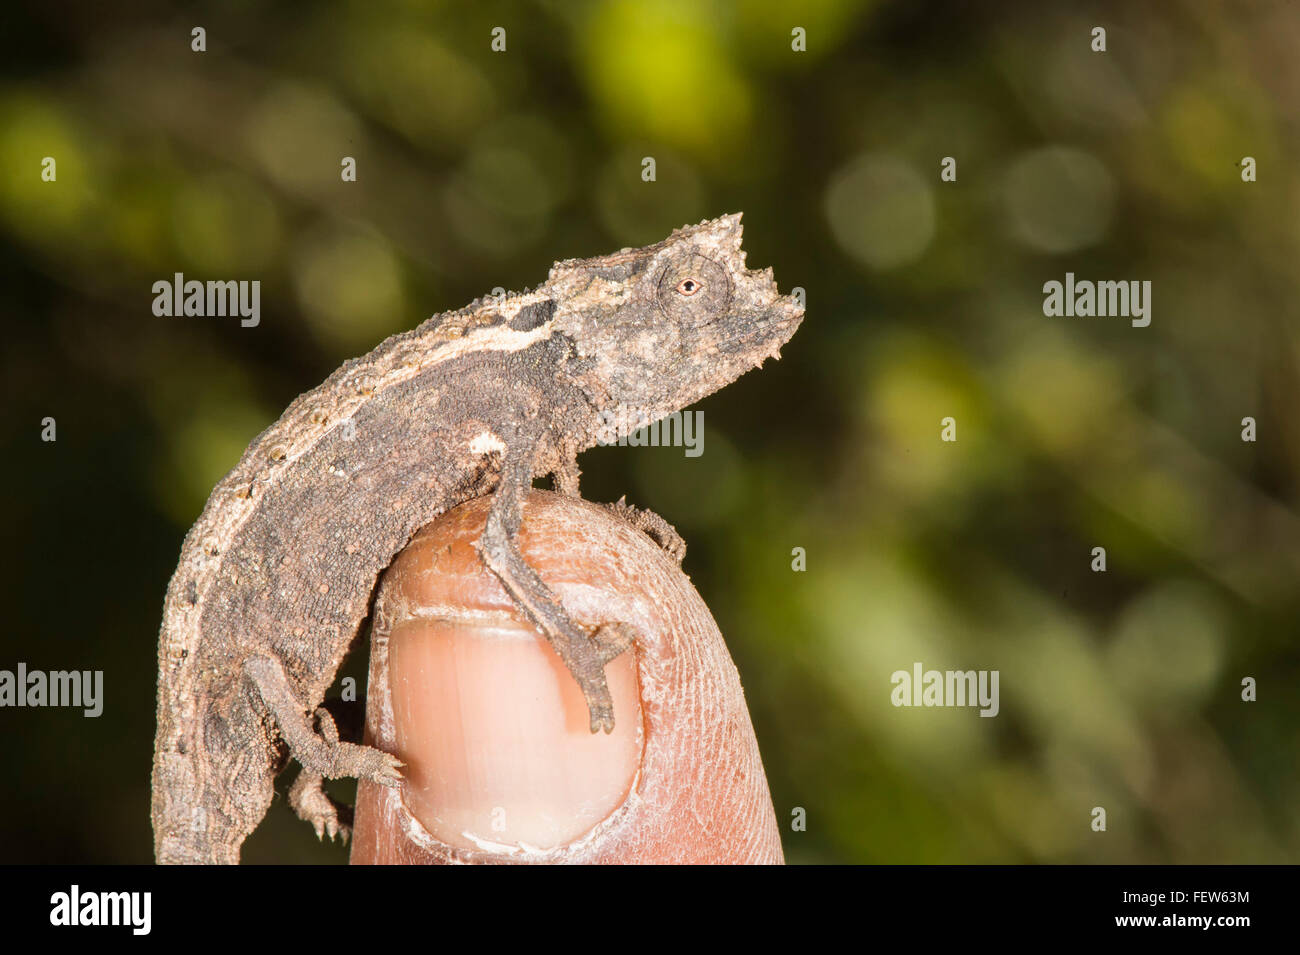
588, 669
584, 654
600, 705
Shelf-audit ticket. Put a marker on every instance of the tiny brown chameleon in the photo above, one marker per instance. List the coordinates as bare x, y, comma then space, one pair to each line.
276, 578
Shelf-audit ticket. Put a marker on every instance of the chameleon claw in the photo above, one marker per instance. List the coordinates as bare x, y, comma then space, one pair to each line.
602, 716
391, 774
336, 830
366, 762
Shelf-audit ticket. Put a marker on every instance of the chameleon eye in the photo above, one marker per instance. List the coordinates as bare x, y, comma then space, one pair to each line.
694, 290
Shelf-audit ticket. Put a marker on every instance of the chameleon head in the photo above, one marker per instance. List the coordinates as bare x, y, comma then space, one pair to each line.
658, 328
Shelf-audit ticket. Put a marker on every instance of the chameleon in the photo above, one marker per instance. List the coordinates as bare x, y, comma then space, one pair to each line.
276, 578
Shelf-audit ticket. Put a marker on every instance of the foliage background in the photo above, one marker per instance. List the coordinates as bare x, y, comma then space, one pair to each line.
924, 300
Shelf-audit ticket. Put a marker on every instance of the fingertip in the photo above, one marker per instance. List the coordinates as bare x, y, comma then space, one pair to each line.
504, 761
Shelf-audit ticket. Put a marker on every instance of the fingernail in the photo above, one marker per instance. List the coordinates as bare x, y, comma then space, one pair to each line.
494, 731
496, 736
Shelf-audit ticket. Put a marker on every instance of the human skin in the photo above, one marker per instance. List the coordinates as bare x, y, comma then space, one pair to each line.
501, 766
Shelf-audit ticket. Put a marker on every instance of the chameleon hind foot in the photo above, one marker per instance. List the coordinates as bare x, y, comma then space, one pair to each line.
311, 804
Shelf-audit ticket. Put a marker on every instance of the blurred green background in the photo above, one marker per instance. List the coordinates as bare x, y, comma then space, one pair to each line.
479, 169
